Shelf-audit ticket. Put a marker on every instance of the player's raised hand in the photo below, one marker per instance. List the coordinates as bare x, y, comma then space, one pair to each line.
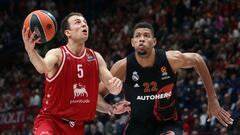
223, 116
115, 84
29, 39
121, 107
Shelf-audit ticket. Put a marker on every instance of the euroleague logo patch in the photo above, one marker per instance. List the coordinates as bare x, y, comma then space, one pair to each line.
164, 72
90, 57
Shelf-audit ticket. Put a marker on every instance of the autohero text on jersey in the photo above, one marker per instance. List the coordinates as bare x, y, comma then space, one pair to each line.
154, 97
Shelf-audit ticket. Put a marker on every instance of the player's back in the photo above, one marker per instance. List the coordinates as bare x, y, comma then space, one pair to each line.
72, 92
151, 90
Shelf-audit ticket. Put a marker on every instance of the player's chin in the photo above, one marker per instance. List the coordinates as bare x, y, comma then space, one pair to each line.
84, 38
142, 53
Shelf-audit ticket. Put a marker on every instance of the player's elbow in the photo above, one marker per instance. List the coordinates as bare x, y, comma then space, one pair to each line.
197, 60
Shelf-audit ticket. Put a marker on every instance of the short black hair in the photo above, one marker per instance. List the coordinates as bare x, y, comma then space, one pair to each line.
65, 23
143, 25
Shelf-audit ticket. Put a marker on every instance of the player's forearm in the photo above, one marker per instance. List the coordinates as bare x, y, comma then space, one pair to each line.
102, 106
203, 71
106, 77
37, 61
103, 90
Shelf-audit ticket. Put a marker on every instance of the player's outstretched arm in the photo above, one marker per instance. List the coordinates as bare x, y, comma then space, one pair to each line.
113, 84
118, 70
188, 60
42, 65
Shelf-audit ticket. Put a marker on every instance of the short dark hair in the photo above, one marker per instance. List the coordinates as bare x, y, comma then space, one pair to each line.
65, 23
143, 25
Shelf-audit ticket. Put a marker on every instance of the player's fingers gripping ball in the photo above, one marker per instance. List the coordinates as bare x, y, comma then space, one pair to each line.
43, 23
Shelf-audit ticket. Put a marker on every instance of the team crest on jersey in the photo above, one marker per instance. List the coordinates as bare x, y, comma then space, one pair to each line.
135, 76
164, 73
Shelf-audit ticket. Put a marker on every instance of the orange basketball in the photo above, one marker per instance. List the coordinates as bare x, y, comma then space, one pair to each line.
43, 23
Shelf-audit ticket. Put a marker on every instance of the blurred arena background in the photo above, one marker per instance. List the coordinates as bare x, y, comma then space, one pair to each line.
208, 27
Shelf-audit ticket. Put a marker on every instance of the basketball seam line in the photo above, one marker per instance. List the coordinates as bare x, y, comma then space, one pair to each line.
42, 27
52, 23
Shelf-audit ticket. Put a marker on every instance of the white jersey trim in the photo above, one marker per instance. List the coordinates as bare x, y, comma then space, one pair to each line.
76, 57
59, 70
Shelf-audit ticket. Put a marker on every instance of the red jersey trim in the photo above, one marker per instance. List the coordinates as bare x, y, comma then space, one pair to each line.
59, 70
74, 56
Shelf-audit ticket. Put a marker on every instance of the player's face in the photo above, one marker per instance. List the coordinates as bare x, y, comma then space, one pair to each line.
78, 28
143, 41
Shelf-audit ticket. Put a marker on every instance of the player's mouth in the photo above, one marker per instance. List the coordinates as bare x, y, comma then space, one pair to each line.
85, 32
141, 46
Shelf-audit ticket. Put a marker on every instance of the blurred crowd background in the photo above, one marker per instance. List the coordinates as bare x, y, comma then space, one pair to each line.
208, 27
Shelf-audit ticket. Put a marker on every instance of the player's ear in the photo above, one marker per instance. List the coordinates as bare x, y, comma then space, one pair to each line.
67, 33
132, 42
154, 41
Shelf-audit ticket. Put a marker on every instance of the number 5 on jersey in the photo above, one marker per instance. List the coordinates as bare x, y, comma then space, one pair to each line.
80, 70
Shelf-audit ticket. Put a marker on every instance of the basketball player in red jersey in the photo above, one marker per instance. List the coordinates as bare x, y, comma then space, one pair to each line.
72, 74
149, 77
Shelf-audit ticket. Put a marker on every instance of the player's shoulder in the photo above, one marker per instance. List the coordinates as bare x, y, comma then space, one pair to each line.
173, 53
96, 53
121, 63
54, 51
119, 68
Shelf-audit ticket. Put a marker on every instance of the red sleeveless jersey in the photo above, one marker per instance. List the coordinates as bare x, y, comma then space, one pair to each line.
72, 92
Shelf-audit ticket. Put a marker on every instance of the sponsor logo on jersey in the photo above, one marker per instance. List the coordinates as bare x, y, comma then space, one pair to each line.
79, 91
80, 101
164, 92
136, 85
135, 76
154, 97
164, 73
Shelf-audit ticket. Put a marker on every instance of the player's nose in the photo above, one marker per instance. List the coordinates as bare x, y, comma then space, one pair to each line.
84, 25
141, 39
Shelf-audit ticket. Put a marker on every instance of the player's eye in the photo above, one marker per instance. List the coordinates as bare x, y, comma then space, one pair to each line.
137, 35
147, 35
77, 21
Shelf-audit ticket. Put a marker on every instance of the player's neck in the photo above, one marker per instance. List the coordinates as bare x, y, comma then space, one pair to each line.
146, 61
76, 48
